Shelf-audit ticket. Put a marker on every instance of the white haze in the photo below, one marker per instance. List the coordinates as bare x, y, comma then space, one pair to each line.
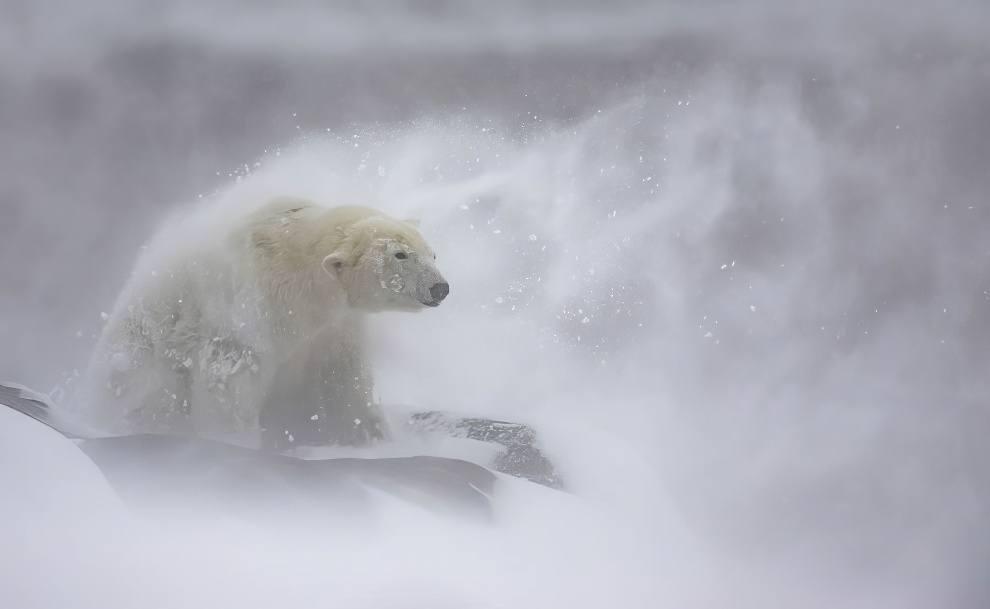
732, 267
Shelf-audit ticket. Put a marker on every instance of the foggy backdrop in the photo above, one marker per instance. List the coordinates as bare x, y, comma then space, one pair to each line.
753, 239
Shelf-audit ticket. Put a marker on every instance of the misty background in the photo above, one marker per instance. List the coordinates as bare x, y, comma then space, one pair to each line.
730, 257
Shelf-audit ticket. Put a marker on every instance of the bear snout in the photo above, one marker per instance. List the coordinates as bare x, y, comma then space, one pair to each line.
438, 291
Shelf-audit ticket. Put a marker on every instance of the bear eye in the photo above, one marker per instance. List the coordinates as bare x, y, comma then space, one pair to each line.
400, 255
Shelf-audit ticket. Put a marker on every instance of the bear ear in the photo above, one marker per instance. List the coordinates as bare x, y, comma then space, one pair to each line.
332, 264
414, 222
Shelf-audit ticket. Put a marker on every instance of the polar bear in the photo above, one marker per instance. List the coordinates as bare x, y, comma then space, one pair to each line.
250, 330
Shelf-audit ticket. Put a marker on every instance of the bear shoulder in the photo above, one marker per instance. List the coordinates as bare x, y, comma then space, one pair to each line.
274, 229
284, 212
291, 226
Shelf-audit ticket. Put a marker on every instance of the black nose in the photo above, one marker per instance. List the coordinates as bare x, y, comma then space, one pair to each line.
439, 291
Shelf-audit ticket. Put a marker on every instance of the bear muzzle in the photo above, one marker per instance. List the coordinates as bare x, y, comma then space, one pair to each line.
438, 291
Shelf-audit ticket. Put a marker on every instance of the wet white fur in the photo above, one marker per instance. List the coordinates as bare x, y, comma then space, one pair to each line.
234, 323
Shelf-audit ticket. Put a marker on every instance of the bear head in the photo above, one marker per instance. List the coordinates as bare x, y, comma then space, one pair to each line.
384, 264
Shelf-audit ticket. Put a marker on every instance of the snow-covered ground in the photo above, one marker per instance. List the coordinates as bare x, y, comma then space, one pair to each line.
69, 541
729, 262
